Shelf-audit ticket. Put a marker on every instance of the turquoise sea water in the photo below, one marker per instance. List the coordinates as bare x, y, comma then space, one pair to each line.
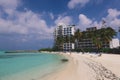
28, 66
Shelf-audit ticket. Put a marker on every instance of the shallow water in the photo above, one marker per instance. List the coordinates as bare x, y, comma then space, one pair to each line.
28, 66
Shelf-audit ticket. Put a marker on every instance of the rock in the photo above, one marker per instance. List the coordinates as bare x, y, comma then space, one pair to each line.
64, 60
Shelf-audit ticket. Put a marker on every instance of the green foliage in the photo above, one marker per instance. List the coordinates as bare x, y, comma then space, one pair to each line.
105, 50
60, 40
78, 35
115, 51
98, 37
55, 48
107, 33
112, 51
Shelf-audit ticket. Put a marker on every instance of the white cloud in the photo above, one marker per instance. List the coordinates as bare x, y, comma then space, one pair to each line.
113, 18
84, 22
8, 27
9, 6
73, 3
25, 23
113, 13
22, 22
63, 19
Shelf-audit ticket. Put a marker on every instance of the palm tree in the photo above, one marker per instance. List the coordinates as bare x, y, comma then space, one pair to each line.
94, 36
59, 42
66, 39
102, 35
71, 38
97, 41
107, 34
78, 35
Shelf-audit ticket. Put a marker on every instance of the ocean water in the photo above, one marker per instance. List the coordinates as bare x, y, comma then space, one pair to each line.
28, 66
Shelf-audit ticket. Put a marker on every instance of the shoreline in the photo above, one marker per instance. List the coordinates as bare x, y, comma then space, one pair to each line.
88, 67
63, 72
29, 67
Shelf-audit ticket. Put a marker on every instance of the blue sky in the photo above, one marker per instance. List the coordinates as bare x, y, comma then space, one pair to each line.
29, 24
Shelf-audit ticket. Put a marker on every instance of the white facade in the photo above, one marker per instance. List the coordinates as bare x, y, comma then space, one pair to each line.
68, 46
114, 43
68, 30
65, 30
59, 29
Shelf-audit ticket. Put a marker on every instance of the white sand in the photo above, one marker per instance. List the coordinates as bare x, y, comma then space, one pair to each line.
88, 67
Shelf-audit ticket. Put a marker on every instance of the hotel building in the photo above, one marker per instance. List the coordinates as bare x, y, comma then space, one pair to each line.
65, 30
85, 43
88, 43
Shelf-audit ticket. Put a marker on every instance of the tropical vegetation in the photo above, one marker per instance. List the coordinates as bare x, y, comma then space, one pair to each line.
102, 36
98, 38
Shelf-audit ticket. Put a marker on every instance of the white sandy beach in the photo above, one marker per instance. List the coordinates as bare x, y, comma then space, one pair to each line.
88, 67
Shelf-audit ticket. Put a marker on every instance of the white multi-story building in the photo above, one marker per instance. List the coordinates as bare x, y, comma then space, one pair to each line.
114, 43
65, 30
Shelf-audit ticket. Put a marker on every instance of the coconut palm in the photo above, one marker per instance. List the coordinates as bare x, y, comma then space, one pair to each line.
66, 39
102, 35
97, 41
71, 38
95, 37
107, 34
59, 42
78, 35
